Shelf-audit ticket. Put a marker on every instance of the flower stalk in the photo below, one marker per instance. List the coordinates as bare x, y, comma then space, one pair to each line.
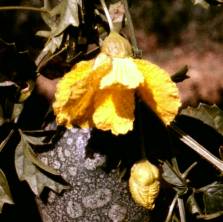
110, 23
136, 50
198, 148
23, 8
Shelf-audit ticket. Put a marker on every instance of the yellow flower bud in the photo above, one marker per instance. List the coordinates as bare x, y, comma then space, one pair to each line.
115, 45
144, 183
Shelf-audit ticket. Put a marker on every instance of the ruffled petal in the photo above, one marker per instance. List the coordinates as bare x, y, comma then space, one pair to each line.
78, 108
124, 72
158, 91
78, 72
114, 110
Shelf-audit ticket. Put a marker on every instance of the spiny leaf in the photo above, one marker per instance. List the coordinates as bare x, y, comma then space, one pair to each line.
31, 169
5, 194
211, 115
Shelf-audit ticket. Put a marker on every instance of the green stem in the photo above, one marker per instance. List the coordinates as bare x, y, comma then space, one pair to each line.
136, 50
23, 8
110, 23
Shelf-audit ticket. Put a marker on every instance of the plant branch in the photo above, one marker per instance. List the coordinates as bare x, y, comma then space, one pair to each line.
181, 209
23, 8
110, 23
136, 50
198, 148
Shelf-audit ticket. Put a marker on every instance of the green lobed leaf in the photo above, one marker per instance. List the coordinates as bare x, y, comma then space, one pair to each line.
172, 177
29, 168
5, 194
211, 115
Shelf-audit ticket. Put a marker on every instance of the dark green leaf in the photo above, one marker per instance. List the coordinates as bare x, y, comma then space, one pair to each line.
180, 75
5, 194
213, 197
193, 205
31, 169
211, 115
172, 177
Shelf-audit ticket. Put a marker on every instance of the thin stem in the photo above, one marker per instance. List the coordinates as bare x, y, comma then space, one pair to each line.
137, 51
193, 144
181, 209
141, 132
172, 205
110, 23
23, 8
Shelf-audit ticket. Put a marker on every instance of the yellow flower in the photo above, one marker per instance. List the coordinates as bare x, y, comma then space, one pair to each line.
100, 92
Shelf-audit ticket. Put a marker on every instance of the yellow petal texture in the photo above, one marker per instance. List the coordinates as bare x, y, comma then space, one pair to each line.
114, 110
124, 72
144, 183
158, 91
78, 108
78, 72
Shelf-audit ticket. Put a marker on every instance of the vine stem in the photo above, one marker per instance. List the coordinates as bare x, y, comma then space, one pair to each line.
136, 50
110, 23
23, 8
198, 148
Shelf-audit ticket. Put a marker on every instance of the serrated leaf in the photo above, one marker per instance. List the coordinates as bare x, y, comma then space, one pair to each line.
5, 193
211, 115
29, 168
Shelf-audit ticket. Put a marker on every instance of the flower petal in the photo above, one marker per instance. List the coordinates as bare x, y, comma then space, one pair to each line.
114, 110
124, 72
63, 92
78, 108
158, 91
